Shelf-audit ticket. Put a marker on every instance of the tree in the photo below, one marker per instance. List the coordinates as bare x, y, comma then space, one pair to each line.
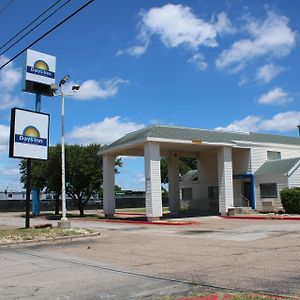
45, 173
83, 173
185, 164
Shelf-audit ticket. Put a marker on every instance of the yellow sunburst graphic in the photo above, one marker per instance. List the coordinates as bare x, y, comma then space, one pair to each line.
31, 131
41, 65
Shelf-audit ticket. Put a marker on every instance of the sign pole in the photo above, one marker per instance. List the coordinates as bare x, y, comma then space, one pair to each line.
38, 100
28, 169
28, 190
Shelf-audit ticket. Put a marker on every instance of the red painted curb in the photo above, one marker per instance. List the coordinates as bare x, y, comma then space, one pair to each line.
262, 218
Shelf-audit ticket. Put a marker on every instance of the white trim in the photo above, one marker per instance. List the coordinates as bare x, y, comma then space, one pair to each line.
122, 146
294, 168
188, 142
258, 144
234, 144
159, 140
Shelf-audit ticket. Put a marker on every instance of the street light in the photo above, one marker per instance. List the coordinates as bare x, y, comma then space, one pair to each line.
64, 221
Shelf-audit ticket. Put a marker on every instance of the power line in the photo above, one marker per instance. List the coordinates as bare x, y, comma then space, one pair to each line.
22, 30
5, 6
32, 29
49, 31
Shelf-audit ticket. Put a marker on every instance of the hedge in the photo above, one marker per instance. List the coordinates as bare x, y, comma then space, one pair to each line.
290, 199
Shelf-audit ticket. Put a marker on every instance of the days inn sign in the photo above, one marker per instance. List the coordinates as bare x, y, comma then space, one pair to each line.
39, 73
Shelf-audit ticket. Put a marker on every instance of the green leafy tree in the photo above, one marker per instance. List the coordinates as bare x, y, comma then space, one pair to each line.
84, 176
185, 164
45, 173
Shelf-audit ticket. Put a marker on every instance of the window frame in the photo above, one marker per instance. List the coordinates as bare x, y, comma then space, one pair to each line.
273, 153
266, 190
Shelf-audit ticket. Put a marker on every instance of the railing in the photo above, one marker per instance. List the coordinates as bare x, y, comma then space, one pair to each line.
246, 199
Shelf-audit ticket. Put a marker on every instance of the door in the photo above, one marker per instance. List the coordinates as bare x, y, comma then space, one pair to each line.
247, 194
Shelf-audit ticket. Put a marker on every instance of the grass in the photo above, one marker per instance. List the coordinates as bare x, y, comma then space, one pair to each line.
222, 296
21, 234
254, 297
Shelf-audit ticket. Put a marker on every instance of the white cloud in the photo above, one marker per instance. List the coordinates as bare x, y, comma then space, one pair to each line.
243, 81
223, 25
282, 122
9, 76
92, 89
286, 121
198, 60
136, 51
267, 72
250, 123
4, 136
103, 132
8, 101
9, 173
177, 25
271, 36
276, 96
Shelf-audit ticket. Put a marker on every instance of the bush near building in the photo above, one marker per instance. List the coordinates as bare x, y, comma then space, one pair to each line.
290, 198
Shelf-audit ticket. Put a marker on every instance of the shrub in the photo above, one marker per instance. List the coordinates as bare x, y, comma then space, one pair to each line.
290, 199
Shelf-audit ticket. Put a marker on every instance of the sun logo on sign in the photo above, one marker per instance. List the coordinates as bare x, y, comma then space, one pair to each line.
41, 65
31, 131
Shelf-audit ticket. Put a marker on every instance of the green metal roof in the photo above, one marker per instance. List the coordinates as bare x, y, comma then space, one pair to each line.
190, 175
204, 135
281, 166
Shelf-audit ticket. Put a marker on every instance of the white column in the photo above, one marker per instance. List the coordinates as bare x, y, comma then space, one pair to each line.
152, 180
108, 185
174, 189
225, 179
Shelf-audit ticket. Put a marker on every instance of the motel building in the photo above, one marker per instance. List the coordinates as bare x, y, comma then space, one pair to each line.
234, 169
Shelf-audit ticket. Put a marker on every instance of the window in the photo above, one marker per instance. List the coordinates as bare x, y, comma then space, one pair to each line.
10, 195
187, 194
268, 190
273, 155
213, 193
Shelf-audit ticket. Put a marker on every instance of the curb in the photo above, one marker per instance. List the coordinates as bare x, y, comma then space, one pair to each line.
139, 222
59, 238
283, 218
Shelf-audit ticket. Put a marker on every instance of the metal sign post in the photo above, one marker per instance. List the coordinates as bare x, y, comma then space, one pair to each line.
38, 100
29, 130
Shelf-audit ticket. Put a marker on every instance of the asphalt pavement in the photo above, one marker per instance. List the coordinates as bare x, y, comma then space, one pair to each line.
140, 261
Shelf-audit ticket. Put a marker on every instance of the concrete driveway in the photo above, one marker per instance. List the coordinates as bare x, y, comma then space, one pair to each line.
148, 261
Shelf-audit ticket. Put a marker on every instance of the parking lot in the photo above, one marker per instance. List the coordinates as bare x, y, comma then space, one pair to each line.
137, 261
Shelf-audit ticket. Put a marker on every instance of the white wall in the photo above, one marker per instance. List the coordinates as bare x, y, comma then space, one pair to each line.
241, 161
259, 155
282, 182
207, 176
237, 192
294, 179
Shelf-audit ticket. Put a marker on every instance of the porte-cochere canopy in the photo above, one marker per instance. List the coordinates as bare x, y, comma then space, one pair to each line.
221, 157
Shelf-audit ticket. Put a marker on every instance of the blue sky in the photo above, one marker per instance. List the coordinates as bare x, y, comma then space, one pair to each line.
231, 65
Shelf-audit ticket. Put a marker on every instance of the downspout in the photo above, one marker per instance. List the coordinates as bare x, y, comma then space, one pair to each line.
252, 191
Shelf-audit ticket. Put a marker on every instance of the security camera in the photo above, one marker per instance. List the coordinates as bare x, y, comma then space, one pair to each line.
75, 87
53, 87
